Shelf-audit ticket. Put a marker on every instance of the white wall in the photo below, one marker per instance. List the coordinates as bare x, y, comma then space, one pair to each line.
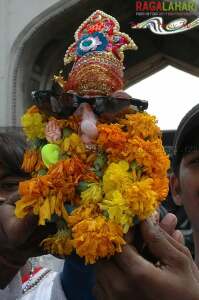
14, 17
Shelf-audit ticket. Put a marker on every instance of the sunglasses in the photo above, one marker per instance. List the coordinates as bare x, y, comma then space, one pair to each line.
64, 105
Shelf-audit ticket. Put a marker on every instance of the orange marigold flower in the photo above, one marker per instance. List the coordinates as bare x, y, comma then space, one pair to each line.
161, 187
33, 109
89, 176
30, 160
83, 212
42, 193
141, 125
40, 164
148, 154
69, 170
96, 238
112, 139
35, 187
59, 243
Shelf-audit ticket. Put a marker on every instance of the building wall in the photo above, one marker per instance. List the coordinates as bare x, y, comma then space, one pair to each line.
15, 15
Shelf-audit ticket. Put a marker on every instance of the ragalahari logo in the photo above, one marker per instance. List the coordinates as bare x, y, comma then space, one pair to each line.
165, 7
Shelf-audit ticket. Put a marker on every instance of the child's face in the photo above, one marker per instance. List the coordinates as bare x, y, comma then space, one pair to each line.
8, 183
189, 186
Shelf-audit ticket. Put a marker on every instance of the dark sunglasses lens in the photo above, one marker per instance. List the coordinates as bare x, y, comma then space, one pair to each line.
68, 104
110, 105
44, 100
59, 106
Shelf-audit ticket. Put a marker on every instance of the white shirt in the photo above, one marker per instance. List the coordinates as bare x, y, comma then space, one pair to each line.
47, 288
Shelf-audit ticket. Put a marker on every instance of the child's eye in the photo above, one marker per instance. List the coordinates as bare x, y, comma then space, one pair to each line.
195, 161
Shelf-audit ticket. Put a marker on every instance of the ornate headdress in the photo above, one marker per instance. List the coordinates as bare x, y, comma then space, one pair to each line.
98, 56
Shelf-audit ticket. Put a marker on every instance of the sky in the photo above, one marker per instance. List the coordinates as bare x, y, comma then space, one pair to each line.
171, 93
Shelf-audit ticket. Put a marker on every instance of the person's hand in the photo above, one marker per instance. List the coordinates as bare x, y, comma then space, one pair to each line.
19, 239
130, 276
168, 224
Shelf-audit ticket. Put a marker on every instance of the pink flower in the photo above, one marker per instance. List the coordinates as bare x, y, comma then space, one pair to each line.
52, 131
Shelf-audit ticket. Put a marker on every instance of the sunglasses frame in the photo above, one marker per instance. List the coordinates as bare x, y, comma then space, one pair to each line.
64, 104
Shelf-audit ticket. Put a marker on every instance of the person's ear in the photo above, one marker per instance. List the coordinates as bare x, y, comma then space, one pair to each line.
175, 189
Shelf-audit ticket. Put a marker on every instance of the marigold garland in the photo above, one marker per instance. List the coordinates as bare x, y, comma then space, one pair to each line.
98, 166
97, 192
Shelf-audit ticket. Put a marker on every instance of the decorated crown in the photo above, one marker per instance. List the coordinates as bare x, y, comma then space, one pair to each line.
98, 56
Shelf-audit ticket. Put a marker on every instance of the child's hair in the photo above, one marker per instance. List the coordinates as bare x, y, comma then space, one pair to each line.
12, 147
186, 137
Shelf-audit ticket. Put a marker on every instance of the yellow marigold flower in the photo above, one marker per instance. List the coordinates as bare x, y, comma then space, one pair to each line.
141, 125
66, 144
97, 238
44, 207
44, 212
30, 160
59, 243
74, 144
25, 205
33, 125
142, 200
93, 194
118, 210
115, 176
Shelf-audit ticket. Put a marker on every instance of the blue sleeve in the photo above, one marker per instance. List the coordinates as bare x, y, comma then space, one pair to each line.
77, 279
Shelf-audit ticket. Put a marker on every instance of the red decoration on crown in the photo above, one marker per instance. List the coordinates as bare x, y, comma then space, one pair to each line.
106, 28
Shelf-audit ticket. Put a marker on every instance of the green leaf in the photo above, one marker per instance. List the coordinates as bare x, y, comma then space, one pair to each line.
106, 214
42, 172
61, 224
100, 161
67, 132
82, 186
37, 143
133, 165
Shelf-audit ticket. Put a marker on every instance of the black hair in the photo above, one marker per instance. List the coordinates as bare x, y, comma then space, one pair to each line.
12, 148
189, 144
186, 138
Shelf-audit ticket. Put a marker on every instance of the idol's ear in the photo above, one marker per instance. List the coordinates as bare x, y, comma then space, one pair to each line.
175, 189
